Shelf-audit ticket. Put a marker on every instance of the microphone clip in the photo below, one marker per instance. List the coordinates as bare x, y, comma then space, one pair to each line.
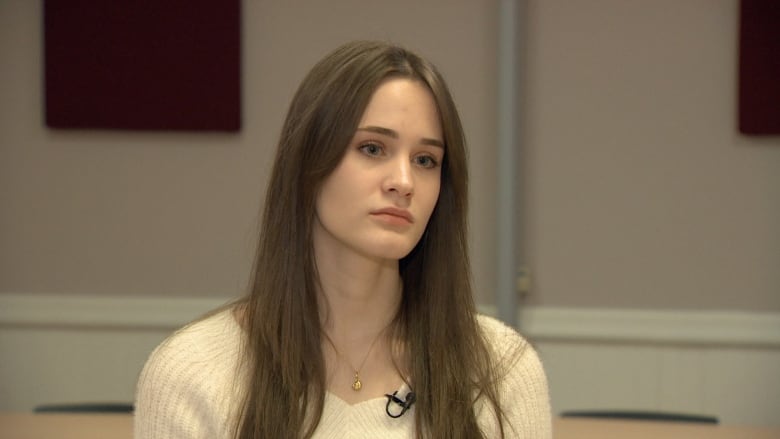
405, 404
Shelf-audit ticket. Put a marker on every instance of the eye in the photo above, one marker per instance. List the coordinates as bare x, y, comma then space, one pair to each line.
371, 149
426, 161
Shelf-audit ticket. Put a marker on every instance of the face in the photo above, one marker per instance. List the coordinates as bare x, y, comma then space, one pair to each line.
378, 200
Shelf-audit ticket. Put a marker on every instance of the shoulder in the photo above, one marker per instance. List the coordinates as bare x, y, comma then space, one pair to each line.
495, 329
523, 388
186, 380
513, 355
213, 337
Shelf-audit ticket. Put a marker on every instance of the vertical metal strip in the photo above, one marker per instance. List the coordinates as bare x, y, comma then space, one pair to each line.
506, 296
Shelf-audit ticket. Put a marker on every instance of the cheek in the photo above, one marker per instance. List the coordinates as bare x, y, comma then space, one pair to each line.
338, 192
432, 197
326, 199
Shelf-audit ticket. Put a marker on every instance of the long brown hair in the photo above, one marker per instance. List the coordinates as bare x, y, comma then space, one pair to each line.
448, 360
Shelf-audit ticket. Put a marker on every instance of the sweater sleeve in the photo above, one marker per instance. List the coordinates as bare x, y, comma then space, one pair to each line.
523, 390
182, 392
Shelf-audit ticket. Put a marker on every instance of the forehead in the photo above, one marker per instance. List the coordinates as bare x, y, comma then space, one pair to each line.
402, 103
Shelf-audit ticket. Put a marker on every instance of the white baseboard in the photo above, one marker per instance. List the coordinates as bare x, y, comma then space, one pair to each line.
731, 328
712, 327
86, 311
81, 348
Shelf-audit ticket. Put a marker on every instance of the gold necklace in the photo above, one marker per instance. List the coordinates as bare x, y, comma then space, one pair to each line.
356, 384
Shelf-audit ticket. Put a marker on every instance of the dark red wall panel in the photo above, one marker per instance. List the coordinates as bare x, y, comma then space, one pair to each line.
143, 65
759, 67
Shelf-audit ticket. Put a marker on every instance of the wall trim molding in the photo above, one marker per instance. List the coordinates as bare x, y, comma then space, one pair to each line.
96, 311
541, 323
679, 327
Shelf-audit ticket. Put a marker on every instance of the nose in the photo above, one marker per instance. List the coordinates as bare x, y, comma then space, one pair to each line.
400, 180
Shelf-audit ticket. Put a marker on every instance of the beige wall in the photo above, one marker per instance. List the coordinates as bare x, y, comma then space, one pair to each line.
118, 213
638, 192
641, 192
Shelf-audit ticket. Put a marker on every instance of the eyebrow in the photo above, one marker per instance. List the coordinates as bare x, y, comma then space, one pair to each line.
394, 134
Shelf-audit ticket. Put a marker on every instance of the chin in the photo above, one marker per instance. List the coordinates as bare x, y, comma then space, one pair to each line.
395, 250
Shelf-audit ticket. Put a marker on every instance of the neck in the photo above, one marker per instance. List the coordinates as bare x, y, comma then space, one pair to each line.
358, 302
359, 297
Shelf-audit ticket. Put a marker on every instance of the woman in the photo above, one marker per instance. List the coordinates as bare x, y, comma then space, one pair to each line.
360, 321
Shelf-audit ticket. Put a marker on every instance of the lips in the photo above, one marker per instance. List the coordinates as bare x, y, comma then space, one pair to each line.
394, 213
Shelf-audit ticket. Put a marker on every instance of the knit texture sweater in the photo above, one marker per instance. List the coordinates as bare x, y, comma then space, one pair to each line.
189, 389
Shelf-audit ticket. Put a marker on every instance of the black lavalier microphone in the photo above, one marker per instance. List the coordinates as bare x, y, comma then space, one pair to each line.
405, 404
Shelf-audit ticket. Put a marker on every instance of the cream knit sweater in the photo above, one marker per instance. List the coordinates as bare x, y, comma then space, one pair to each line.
187, 390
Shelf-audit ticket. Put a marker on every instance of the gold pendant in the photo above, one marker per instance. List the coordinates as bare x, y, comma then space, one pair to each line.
357, 385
